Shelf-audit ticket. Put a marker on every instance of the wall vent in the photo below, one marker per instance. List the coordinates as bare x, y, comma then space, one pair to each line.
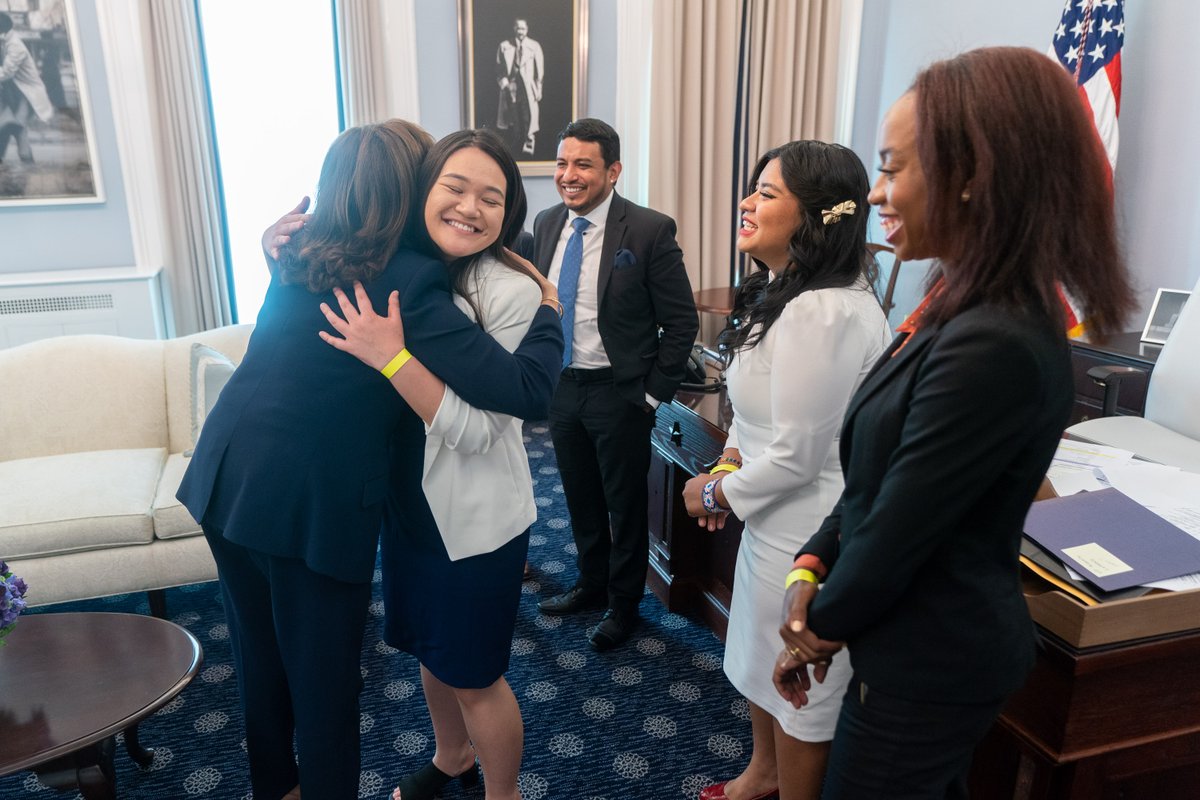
48, 305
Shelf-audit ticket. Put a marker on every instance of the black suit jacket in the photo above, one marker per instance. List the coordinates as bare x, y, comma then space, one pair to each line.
294, 458
943, 448
643, 287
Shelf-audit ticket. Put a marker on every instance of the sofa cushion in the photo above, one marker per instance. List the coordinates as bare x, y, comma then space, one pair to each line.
210, 373
78, 501
72, 394
171, 519
229, 341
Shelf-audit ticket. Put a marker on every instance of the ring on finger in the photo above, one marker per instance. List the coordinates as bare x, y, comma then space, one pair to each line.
795, 652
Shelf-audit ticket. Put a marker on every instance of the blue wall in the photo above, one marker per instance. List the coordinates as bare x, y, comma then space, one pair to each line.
38, 238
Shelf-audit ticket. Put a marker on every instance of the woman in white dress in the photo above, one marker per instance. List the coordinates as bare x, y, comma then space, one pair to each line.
452, 574
810, 329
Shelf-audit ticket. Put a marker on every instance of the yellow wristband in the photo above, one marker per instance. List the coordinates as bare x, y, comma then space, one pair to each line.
723, 468
806, 575
393, 366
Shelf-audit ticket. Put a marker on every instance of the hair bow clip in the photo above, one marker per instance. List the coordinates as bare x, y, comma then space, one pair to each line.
832, 215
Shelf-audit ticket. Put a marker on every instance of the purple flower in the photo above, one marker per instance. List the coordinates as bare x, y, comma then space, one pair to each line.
12, 599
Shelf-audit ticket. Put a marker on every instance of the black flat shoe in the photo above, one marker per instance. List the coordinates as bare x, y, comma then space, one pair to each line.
427, 782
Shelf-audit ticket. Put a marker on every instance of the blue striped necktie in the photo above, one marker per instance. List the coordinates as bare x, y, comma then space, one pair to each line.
568, 283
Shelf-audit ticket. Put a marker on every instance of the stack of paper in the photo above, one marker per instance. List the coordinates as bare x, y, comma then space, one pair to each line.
1120, 523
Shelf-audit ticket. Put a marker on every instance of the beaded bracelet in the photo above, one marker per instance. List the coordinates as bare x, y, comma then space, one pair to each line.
708, 497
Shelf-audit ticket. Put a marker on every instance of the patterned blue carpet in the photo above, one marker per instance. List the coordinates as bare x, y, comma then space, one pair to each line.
654, 719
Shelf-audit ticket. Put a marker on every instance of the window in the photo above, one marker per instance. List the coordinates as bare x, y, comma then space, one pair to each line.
272, 74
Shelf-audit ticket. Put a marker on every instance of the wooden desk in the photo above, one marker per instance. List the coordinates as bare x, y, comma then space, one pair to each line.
1120, 721
1122, 350
691, 570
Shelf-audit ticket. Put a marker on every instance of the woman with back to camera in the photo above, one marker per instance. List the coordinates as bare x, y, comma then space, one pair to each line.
991, 166
255, 474
452, 569
811, 328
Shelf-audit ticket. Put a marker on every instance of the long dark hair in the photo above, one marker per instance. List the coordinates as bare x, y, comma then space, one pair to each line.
462, 269
362, 210
1005, 125
820, 256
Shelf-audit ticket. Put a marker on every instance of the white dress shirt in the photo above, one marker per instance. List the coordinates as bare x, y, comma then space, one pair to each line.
587, 351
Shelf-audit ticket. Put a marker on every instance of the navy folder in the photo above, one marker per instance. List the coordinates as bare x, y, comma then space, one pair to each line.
1112, 540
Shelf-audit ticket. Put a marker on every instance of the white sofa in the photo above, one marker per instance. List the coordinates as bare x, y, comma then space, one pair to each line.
93, 436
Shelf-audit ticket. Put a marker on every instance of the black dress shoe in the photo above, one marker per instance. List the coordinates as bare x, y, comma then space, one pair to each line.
573, 601
613, 630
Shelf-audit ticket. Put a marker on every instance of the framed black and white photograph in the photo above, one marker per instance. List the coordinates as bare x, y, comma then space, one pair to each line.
524, 72
1163, 314
47, 142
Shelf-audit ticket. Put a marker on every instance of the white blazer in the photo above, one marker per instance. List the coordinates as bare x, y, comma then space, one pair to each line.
476, 476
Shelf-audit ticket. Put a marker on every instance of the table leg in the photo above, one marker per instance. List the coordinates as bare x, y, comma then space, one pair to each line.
90, 770
142, 756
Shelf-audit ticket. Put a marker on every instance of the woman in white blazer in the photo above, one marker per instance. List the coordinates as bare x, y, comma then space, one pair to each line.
454, 554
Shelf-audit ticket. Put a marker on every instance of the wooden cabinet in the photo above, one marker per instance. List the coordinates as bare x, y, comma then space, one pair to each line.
1122, 350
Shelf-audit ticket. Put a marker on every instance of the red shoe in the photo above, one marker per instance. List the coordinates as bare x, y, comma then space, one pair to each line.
717, 792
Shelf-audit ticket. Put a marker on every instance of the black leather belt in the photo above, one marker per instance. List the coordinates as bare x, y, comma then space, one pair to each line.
587, 375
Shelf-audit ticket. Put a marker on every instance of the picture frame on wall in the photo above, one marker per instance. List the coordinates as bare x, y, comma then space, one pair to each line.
47, 139
524, 73
1168, 303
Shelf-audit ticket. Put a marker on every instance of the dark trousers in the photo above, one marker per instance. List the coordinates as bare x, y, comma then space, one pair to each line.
886, 746
297, 640
602, 443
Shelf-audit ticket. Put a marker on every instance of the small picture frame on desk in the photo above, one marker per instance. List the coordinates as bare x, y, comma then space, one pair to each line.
1168, 303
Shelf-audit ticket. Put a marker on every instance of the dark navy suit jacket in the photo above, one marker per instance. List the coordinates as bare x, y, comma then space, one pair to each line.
293, 460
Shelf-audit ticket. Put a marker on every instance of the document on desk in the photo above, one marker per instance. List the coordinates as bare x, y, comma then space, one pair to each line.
1112, 540
1075, 465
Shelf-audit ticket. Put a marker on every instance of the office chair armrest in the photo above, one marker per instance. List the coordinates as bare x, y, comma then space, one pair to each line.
1109, 378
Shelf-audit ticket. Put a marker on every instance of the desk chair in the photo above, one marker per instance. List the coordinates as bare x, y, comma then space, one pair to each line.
886, 300
1170, 430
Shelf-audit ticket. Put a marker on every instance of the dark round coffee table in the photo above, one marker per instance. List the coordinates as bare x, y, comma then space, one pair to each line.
70, 682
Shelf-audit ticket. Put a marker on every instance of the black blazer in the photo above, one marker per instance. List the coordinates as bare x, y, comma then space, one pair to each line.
943, 448
643, 286
293, 459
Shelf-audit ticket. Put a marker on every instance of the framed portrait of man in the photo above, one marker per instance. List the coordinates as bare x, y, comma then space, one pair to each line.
47, 141
524, 72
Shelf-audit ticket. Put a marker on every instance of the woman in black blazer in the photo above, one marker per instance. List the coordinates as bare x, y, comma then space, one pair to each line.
991, 166
290, 474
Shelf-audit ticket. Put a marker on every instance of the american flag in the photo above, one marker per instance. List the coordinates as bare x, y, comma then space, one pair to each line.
1087, 42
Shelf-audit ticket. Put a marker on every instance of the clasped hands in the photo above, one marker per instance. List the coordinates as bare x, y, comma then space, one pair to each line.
803, 650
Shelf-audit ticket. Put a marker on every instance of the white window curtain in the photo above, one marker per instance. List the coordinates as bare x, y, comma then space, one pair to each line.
377, 50
696, 154
196, 249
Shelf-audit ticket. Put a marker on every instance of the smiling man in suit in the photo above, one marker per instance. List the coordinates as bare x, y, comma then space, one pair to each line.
629, 321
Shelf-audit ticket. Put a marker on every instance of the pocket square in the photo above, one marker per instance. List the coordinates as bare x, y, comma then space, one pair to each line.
624, 258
